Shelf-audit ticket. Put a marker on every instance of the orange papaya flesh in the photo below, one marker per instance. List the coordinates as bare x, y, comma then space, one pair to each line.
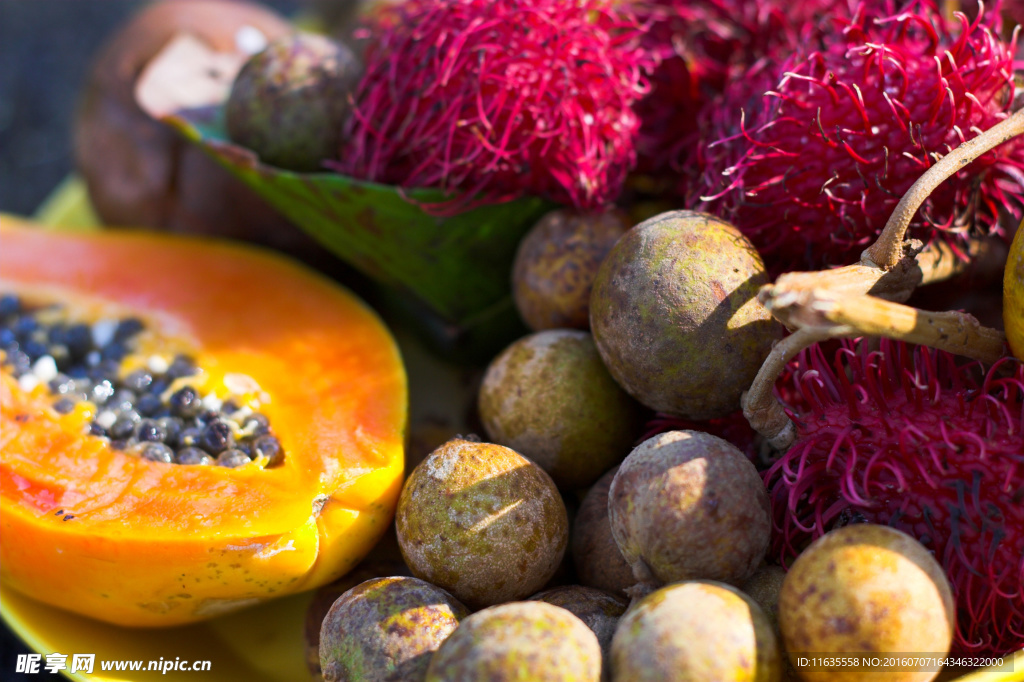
109, 535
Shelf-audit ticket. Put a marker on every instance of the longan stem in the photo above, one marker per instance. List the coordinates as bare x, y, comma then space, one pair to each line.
935, 263
834, 314
865, 299
887, 250
765, 414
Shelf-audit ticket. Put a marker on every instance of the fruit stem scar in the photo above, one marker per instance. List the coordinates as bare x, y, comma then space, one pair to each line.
888, 248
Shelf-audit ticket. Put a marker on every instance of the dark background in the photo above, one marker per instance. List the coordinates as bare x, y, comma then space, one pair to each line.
46, 48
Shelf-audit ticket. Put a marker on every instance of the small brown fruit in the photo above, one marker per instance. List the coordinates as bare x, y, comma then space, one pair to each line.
520, 642
687, 505
481, 521
556, 264
324, 598
869, 590
599, 610
764, 588
139, 171
675, 315
694, 632
597, 558
549, 397
385, 630
290, 101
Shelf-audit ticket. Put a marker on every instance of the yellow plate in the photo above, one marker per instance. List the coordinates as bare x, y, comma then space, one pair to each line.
261, 644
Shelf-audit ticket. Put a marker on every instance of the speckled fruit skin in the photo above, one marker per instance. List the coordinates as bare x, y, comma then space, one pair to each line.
549, 397
519, 642
290, 101
599, 610
686, 505
866, 589
675, 315
764, 588
556, 264
324, 598
597, 558
695, 632
483, 522
386, 629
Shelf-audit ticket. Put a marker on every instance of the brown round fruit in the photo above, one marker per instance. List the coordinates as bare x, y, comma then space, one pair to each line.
870, 590
556, 264
549, 397
519, 642
675, 315
764, 588
324, 598
599, 610
687, 505
385, 630
289, 102
141, 173
597, 558
694, 632
481, 521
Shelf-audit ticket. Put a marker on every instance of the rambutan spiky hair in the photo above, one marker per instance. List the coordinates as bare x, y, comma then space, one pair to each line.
698, 46
907, 437
494, 99
811, 171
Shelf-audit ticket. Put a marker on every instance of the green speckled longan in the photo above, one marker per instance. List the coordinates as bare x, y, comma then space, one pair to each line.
549, 397
290, 101
686, 505
556, 264
764, 588
695, 632
325, 596
385, 630
598, 609
597, 558
481, 521
675, 315
519, 642
867, 589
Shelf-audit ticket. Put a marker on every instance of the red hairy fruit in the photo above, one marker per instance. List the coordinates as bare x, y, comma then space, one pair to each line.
494, 99
808, 155
905, 436
698, 45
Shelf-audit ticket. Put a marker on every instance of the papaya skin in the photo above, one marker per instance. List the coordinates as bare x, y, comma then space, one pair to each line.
151, 544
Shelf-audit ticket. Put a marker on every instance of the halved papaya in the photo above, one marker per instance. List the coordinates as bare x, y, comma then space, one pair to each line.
108, 534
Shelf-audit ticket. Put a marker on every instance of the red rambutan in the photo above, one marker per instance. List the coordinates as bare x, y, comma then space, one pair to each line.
494, 99
811, 170
697, 45
907, 437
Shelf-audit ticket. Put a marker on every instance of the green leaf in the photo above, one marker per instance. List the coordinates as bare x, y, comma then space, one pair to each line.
460, 266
